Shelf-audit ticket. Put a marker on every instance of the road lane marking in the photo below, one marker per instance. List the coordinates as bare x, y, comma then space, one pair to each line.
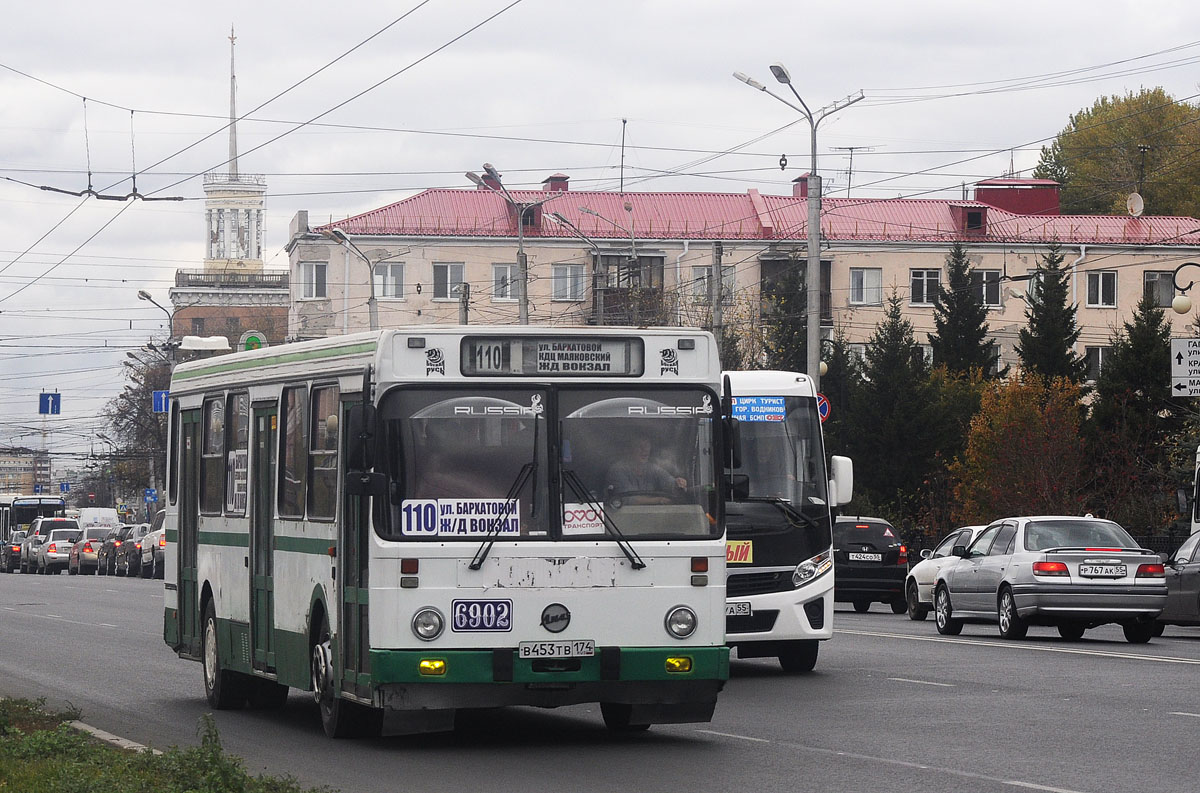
1162, 659
922, 682
731, 735
1183, 713
1018, 783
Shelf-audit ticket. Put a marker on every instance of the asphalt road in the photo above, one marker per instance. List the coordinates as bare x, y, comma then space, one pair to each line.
891, 707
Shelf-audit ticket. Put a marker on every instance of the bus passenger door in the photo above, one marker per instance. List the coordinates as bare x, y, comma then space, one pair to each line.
189, 519
262, 538
352, 549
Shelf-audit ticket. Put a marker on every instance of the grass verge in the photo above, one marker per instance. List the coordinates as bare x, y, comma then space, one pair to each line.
41, 753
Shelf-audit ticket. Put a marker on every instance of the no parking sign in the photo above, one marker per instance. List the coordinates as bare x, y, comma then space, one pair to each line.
822, 407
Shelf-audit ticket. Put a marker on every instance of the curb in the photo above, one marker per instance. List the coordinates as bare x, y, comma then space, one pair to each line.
108, 737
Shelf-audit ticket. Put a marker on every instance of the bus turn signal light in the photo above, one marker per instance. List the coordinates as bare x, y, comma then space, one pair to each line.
433, 666
677, 666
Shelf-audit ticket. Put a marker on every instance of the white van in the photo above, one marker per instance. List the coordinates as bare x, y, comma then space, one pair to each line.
98, 516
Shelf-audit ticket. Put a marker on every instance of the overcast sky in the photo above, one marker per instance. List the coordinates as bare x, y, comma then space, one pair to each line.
955, 92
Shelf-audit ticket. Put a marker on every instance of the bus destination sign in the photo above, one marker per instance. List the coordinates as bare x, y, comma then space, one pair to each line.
559, 356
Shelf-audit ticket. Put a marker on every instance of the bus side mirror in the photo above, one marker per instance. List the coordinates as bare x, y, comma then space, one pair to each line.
366, 483
737, 487
360, 445
1183, 500
733, 442
841, 480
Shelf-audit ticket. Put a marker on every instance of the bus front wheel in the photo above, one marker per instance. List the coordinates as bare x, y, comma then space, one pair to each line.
340, 718
222, 687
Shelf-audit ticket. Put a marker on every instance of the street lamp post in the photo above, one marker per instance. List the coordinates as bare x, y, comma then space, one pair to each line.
633, 255
519, 209
597, 287
144, 295
1182, 304
812, 278
339, 236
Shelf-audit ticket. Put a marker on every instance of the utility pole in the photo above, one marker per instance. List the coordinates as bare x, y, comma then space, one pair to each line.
464, 302
715, 289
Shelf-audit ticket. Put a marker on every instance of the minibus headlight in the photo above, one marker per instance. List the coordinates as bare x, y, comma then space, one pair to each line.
681, 622
427, 624
811, 568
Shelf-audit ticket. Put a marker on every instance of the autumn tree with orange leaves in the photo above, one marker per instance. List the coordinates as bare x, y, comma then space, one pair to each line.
1025, 454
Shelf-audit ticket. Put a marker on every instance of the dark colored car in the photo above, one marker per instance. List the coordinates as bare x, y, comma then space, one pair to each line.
870, 563
1183, 586
10, 553
128, 558
106, 557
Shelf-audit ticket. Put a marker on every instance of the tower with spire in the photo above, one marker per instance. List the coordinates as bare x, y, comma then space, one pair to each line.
233, 295
233, 203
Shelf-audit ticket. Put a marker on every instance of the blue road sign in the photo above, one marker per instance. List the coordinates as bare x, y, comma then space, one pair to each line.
37, 490
161, 398
64, 487
49, 404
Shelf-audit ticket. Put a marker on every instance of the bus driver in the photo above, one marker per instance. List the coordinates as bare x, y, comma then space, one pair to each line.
637, 480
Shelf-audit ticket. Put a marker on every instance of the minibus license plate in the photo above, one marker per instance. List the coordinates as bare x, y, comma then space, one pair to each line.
578, 648
742, 609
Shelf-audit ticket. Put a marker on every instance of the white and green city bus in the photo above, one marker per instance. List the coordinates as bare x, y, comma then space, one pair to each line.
416, 521
18, 511
779, 578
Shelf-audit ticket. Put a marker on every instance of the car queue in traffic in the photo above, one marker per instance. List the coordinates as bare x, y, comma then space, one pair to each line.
53, 545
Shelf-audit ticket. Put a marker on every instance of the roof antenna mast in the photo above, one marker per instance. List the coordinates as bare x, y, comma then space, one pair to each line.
623, 122
233, 166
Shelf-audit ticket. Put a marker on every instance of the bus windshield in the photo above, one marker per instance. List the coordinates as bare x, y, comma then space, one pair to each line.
474, 464
781, 450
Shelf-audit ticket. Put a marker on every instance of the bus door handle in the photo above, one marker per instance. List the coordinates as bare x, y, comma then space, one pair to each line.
246, 561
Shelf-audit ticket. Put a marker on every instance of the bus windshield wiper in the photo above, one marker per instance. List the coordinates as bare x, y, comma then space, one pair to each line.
528, 470
510, 500
788, 508
581, 492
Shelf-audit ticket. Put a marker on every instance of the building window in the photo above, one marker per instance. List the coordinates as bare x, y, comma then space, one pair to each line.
504, 282
1095, 358
866, 286
702, 277
1160, 286
447, 281
926, 353
567, 282
646, 272
858, 351
975, 220
1102, 289
197, 326
312, 279
925, 286
985, 285
389, 280
323, 454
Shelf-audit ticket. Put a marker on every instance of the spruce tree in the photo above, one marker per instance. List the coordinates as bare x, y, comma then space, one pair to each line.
1046, 346
786, 338
892, 437
960, 339
1135, 380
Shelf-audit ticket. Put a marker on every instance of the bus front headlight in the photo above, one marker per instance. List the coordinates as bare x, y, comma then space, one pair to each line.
812, 568
681, 622
427, 624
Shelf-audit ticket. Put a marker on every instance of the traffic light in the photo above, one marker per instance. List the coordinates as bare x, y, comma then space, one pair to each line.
92, 497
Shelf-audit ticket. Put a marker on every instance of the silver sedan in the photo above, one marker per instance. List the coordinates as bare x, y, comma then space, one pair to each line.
1069, 572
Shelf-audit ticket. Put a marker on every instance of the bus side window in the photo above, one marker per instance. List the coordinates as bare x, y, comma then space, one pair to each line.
294, 468
323, 453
